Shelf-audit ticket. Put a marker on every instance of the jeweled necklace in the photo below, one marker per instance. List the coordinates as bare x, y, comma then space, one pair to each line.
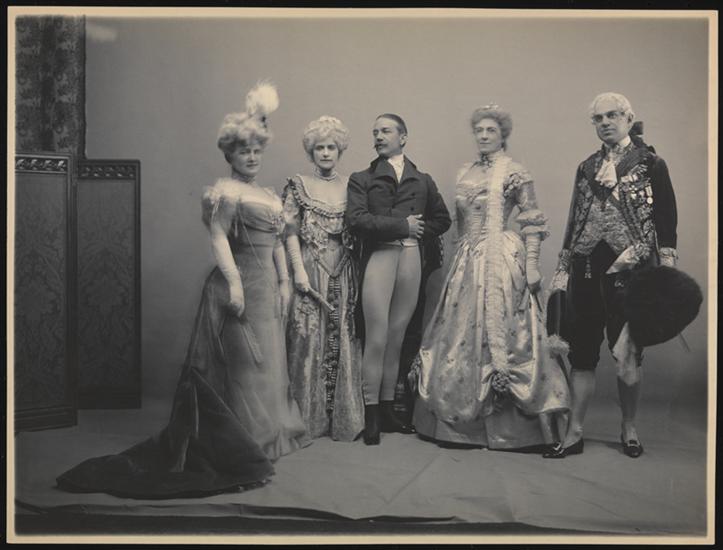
318, 174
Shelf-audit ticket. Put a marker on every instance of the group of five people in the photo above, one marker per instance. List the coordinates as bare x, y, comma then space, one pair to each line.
302, 321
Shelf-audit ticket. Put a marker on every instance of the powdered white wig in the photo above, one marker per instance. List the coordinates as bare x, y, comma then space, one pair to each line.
620, 100
496, 113
322, 128
249, 126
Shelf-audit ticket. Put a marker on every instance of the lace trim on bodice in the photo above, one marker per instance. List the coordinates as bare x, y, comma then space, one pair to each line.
473, 184
316, 221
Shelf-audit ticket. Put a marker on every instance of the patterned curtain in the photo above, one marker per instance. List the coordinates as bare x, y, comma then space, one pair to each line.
50, 84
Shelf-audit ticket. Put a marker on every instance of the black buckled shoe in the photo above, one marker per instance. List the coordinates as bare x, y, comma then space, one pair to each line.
389, 421
631, 447
371, 424
558, 451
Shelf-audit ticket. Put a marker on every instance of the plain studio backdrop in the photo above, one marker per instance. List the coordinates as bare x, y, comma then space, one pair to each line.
157, 90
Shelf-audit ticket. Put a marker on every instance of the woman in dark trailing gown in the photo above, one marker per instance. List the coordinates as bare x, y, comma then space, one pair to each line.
233, 413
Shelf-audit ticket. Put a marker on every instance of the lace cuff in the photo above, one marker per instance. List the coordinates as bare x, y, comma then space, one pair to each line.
559, 281
668, 256
533, 221
563, 263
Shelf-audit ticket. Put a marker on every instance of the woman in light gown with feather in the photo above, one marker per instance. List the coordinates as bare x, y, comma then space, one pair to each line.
233, 413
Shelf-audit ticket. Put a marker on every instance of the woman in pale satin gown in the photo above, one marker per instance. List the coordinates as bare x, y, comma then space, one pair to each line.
484, 373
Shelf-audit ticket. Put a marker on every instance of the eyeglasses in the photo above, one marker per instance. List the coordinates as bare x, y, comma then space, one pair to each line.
613, 116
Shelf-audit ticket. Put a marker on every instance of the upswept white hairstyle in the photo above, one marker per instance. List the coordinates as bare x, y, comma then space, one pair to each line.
496, 113
322, 128
250, 125
620, 100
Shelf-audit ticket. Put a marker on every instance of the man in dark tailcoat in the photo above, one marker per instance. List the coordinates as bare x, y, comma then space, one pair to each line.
394, 209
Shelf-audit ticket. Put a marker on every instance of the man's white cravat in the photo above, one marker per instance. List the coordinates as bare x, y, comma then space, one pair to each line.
607, 176
397, 162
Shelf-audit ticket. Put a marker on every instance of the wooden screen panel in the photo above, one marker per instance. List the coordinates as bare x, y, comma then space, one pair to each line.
45, 282
109, 369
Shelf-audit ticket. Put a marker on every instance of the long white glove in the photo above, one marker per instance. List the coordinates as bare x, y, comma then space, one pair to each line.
301, 278
283, 274
532, 244
227, 265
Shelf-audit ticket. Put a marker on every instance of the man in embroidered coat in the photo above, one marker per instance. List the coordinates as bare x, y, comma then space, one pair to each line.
622, 218
394, 209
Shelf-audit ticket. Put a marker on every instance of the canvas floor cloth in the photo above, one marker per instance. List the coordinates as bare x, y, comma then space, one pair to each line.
408, 479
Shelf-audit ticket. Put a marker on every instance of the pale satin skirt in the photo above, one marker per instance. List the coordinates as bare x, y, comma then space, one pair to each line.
456, 402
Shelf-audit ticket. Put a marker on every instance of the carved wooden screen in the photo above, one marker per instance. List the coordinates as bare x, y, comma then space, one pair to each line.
45, 282
109, 374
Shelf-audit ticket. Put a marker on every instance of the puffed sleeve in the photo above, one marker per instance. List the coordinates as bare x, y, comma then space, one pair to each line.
292, 210
531, 219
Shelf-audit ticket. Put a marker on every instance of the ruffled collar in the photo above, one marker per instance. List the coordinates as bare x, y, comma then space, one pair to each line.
302, 194
488, 159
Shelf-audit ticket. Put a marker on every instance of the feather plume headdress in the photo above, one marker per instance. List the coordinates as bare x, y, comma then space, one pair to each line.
250, 123
262, 100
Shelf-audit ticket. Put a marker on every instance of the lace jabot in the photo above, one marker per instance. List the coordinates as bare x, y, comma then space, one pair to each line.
488, 159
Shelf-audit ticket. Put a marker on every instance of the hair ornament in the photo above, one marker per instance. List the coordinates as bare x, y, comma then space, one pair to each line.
262, 100
491, 107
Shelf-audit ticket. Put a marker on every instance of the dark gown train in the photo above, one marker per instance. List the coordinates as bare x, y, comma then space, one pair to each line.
233, 412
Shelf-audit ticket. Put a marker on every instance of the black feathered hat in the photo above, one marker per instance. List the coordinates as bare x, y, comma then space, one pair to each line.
659, 303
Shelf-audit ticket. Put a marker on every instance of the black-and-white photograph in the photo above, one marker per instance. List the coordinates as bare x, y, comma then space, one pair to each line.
442, 275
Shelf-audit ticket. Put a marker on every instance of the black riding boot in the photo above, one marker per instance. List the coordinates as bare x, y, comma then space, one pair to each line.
371, 424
